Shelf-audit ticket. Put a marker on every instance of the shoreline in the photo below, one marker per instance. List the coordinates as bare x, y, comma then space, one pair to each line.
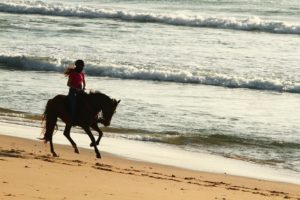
28, 171
162, 154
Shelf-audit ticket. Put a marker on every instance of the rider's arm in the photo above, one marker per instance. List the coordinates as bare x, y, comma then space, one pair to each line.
83, 81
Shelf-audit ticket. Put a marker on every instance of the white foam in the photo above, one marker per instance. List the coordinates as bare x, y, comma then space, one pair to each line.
251, 23
131, 72
162, 154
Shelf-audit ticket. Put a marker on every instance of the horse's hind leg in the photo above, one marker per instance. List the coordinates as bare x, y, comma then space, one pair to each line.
88, 131
52, 149
96, 128
67, 134
50, 126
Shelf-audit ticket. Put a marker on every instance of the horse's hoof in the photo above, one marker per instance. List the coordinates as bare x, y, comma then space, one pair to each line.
92, 144
98, 156
76, 151
54, 155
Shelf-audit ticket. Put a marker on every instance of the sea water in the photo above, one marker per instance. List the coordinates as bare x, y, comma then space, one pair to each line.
216, 77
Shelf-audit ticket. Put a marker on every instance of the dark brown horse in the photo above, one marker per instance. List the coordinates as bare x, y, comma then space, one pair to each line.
89, 107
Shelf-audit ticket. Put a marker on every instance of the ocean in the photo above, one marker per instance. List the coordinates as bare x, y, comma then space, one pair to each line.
220, 77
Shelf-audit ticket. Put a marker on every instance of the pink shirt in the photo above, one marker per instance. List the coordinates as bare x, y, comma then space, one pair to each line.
76, 80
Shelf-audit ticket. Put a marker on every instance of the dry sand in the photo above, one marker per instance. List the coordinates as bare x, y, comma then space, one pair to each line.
27, 171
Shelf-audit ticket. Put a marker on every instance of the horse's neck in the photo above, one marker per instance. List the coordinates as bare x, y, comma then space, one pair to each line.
97, 103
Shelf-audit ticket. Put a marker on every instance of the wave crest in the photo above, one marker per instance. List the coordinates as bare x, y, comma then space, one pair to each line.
248, 24
137, 73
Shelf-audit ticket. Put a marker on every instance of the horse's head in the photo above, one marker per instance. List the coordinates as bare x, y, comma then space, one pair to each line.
105, 104
108, 111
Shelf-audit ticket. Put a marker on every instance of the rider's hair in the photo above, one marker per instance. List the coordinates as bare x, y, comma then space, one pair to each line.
79, 66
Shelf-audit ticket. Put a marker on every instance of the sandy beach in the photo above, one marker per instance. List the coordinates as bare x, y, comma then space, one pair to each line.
198, 99
28, 171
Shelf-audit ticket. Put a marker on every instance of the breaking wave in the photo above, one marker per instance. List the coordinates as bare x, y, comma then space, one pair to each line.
136, 73
247, 24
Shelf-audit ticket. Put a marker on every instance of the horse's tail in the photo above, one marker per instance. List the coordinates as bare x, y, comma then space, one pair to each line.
50, 118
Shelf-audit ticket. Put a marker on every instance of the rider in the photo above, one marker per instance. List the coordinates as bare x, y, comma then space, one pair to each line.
76, 83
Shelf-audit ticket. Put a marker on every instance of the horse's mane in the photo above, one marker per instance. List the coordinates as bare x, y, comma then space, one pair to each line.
98, 93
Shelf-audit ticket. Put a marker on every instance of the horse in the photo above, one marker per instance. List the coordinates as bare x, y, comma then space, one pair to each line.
87, 112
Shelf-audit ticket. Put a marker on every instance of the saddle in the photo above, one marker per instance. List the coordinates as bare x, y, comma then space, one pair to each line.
81, 104
75, 105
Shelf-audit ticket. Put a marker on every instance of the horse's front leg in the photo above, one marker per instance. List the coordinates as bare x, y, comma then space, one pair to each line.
96, 128
88, 131
67, 134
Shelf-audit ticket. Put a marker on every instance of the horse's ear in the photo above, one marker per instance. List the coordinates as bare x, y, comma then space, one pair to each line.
118, 101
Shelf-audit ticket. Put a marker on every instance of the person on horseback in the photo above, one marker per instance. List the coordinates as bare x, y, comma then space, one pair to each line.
76, 83
84, 110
